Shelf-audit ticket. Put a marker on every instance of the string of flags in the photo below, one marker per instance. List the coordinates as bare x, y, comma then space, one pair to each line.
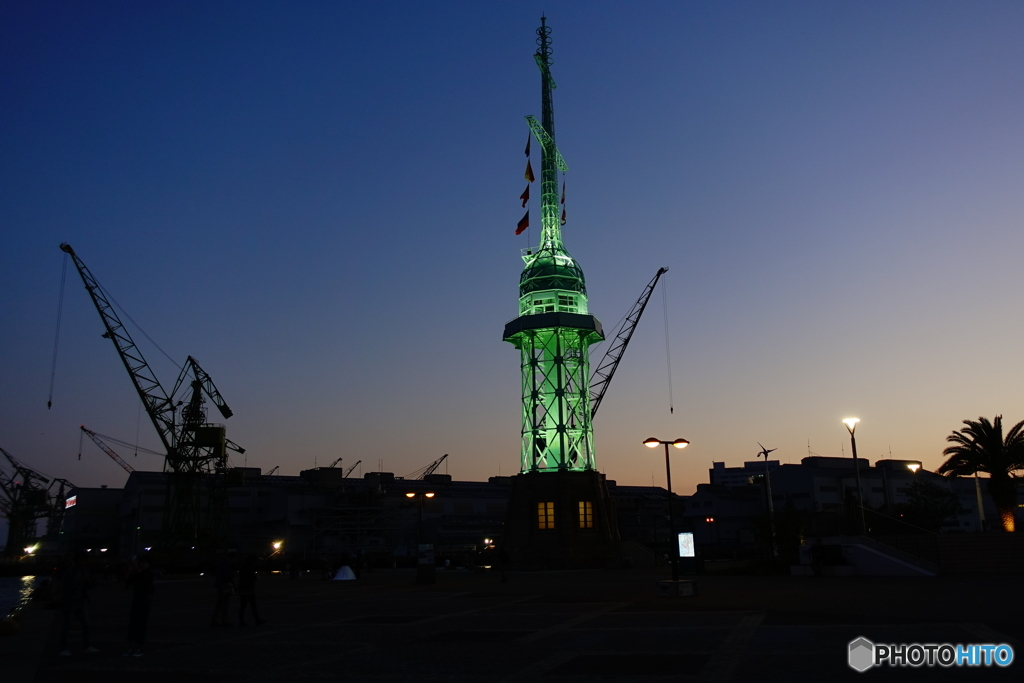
524, 222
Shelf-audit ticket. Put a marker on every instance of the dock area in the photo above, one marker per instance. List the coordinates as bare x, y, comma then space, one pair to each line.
540, 626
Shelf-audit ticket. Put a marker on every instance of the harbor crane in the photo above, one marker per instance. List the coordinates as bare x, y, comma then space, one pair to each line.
25, 497
602, 375
196, 450
349, 470
425, 472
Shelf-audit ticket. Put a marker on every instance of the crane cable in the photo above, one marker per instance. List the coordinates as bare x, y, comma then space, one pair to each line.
668, 355
56, 335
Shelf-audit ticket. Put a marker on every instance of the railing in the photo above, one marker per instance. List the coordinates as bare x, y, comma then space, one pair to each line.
924, 546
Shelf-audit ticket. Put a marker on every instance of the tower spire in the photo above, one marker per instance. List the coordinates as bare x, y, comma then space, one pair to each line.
551, 160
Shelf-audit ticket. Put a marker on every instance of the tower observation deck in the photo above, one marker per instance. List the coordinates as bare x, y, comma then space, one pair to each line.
554, 329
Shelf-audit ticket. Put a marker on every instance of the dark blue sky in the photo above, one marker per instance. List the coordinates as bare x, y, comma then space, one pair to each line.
318, 200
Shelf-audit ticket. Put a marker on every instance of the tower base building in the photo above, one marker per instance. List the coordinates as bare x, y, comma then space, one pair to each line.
561, 520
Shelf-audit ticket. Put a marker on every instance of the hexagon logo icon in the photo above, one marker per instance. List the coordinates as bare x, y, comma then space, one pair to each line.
861, 654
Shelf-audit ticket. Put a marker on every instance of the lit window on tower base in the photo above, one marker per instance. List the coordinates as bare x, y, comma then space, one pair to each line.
586, 514
546, 515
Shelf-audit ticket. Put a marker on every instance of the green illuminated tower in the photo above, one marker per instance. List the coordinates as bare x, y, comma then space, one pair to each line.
559, 512
554, 329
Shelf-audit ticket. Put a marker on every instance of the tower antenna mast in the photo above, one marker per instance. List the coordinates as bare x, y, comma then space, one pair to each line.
551, 231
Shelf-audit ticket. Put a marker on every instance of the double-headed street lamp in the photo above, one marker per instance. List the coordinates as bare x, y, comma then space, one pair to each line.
673, 538
851, 426
424, 555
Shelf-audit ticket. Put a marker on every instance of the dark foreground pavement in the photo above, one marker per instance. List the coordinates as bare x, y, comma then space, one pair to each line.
537, 627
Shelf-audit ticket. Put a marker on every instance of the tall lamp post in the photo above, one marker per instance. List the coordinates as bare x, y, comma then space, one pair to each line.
851, 426
673, 537
424, 553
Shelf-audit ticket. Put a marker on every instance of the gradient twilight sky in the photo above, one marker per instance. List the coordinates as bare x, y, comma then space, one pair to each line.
317, 200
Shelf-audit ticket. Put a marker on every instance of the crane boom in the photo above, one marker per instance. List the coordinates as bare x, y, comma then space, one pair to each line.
349, 470
602, 376
159, 406
108, 450
432, 466
424, 472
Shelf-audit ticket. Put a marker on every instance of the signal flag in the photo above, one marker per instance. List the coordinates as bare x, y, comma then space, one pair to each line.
523, 224
529, 139
525, 196
529, 171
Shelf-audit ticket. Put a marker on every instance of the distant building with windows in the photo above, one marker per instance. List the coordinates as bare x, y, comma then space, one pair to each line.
731, 511
321, 513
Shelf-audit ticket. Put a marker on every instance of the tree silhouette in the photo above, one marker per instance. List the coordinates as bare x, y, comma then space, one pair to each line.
980, 447
928, 504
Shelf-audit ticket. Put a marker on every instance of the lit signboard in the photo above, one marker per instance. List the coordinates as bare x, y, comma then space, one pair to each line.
71, 502
686, 544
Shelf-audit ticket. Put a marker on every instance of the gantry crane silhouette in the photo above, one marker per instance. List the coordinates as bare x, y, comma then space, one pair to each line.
196, 450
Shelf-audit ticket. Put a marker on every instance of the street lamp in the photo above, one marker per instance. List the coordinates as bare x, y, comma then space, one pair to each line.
851, 426
673, 538
425, 554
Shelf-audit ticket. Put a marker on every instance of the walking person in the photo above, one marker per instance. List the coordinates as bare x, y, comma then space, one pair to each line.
140, 579
224, 585
75, 584
247, 591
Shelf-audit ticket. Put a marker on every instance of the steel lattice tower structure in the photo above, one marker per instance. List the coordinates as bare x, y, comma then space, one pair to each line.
554, 329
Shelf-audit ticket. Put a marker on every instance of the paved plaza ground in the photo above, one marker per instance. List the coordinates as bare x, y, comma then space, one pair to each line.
539, 627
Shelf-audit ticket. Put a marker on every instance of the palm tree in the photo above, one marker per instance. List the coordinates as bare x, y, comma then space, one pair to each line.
980, 447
